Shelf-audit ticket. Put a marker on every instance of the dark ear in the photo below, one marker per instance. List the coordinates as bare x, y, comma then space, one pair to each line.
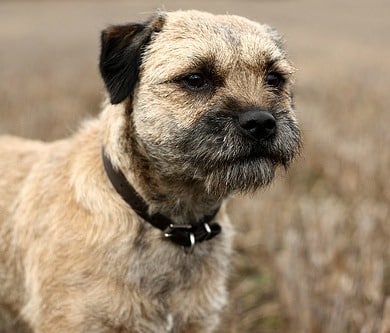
121, 53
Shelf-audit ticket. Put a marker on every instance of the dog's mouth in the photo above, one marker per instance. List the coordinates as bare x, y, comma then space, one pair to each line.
249, 156
251, 150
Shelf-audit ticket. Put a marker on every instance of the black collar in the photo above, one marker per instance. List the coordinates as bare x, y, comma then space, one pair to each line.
186, 235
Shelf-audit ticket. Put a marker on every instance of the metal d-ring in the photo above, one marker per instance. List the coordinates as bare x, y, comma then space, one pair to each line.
208, 229
190, 249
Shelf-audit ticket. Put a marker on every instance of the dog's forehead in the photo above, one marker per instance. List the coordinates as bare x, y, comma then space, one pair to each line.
229, 39
229, 31
192, 22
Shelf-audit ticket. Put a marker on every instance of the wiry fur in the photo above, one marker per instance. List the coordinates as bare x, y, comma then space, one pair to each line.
74, 257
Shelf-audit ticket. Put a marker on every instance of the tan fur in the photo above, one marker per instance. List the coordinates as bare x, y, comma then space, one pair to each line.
74, 257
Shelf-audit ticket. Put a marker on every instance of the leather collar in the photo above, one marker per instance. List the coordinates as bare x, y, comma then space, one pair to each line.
186, 235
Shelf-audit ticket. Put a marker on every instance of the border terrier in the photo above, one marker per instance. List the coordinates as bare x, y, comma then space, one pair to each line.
122, 227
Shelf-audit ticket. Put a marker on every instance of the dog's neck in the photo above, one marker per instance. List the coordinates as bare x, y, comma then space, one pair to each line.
179, 199
178, 207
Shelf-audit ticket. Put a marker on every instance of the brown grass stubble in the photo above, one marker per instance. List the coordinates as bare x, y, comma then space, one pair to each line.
312, 251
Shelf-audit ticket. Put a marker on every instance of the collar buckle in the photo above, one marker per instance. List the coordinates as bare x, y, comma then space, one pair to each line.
184, 231
168, 232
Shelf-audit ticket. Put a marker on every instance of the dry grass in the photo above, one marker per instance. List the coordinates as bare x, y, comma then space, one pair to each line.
313, 251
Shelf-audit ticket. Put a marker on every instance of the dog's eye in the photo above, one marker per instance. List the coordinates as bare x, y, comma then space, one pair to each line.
274, 79
195, 81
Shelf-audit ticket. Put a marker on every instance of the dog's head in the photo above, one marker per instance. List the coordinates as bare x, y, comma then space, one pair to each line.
209, 97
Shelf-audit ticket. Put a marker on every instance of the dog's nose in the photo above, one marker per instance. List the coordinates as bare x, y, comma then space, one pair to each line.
257, 124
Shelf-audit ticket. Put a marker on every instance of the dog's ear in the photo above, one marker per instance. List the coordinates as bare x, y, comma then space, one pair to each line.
121, 55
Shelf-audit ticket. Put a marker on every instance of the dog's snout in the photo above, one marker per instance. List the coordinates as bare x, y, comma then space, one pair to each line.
257, 124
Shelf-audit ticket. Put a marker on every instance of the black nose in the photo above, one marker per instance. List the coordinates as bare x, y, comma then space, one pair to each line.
257, 124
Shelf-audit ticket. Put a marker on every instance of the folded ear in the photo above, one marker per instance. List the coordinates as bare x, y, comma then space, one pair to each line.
121, 55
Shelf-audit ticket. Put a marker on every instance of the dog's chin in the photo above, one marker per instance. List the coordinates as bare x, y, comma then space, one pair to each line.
239, 166
241, 175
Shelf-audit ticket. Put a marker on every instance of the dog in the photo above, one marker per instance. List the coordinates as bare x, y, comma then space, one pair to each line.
122, 227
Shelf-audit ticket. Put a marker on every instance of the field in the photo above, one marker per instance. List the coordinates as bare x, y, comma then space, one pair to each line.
313, 250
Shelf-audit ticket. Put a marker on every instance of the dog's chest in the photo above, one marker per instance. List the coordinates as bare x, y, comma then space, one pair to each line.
177, 290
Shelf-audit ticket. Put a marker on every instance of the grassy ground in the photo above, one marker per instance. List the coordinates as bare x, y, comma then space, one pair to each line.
312, 252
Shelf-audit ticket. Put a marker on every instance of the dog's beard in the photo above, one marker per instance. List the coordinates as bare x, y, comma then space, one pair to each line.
242, 176
216, 152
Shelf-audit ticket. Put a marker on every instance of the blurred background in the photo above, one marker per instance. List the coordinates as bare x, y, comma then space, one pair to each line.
313, 250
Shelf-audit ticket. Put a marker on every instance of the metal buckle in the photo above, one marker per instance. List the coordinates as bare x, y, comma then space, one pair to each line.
168, 231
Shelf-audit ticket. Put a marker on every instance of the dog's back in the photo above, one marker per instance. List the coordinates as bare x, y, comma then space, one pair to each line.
17, 158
